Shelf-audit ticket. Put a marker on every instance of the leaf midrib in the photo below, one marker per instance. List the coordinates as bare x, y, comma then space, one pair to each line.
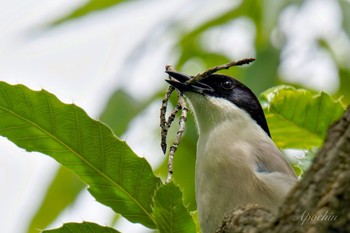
78, 155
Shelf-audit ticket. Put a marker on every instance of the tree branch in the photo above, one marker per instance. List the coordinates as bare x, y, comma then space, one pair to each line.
215, 69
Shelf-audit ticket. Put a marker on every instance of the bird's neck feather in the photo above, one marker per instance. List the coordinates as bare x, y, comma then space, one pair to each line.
211, 112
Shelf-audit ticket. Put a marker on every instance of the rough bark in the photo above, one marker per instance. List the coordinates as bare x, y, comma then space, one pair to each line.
319, 203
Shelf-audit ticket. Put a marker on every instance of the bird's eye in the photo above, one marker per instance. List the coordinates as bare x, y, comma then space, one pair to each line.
227, 84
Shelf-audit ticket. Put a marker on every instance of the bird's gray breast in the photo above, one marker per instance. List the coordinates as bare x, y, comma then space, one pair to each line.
232, 173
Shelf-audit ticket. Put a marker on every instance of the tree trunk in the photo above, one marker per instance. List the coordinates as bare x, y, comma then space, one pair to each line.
319, 203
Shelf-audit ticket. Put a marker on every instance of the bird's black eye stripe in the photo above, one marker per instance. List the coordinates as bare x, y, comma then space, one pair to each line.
227, 84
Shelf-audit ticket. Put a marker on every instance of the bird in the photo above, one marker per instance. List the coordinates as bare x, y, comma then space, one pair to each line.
237, 163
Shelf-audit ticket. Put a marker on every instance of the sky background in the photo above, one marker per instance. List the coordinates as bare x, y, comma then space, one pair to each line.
85, 60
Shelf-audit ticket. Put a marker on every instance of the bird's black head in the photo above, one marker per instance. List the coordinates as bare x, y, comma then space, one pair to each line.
226, 87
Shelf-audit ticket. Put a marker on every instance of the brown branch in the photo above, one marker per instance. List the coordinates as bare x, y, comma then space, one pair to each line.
163, 122
181, 105
179, 134
215, 69
166, 123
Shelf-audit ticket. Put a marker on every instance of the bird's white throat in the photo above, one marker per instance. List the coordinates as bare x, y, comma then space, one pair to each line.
211, 112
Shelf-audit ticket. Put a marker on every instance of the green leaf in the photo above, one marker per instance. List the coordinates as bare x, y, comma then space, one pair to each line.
302, 164
84, 227
267, 62
121, 109
62, 192
344, 78
170, 213
298, 118
345, 8
90, 7
117, 177
184, 163
194, 215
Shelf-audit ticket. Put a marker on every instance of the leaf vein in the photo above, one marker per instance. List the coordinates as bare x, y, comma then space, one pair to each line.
52, 117
6, 97
75, 152
102, 153
78, 134
28, 103
138, 179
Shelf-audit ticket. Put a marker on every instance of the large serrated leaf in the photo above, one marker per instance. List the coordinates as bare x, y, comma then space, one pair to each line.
298, 118
84, 227
117, 177
170, 213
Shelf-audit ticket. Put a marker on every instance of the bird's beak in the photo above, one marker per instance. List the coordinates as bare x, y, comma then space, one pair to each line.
182, 86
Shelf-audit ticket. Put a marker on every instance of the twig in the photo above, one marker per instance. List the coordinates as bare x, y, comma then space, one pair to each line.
163, 122
181, 105
172, 116
166, 123
173, 148
215, 69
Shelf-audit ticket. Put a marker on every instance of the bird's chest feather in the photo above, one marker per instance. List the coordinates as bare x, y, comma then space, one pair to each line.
226, 150
229, 173
223, 159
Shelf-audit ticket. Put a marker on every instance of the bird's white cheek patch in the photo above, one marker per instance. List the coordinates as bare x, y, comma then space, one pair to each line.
222, 104
209, 111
